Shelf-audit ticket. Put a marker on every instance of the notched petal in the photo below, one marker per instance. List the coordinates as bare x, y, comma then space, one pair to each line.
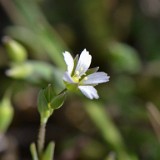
89, 91
83, 62
96, 78
69, 61
67, 77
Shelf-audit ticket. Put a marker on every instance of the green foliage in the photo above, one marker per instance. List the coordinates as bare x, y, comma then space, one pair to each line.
107, 129
116, 33
54, 101
46, 155
111, 156
33, 151
124, 58
102, 120
17, 53
49, 152
43, 108
49, 93
48, 101
37, 72
32, 19
6, 113
58, 101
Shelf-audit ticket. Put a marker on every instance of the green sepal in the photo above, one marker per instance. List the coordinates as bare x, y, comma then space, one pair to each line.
58, 101
92, 70
88, 72
71, 86
33, 151
49, 152
75, 64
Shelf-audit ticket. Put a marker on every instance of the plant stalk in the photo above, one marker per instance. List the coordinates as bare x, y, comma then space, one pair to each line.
41, 138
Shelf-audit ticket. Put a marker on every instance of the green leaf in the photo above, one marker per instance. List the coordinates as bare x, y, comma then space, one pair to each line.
102, 120
58, 101
43, 109
124, 58
42, 101
33, 151
37, 72
49, 93
107, 129
49, 152
17, 53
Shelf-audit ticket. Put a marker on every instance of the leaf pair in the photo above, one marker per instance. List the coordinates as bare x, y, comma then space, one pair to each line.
48, 153
48, 101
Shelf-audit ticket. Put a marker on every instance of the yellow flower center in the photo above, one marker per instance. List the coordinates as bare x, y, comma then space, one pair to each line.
76, 77
85, 78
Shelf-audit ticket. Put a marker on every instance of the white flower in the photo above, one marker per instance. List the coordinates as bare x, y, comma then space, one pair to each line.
80, 76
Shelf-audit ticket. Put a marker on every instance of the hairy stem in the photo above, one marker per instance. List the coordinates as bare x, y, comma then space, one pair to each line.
41, 138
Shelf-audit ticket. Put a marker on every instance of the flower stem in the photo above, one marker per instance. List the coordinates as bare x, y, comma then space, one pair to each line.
64, 90
41, 138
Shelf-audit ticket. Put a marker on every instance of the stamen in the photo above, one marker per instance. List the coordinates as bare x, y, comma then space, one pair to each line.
81, 69
85, 78
77, 73
75, 79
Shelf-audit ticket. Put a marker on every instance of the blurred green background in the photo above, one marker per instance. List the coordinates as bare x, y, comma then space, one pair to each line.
123, 38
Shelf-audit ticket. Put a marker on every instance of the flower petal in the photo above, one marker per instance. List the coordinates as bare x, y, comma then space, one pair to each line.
67, 77
89, 91
96, 78
69, 61
84, 62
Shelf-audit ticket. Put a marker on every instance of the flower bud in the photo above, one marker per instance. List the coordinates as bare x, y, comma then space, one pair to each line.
124, 58
6, 114
16, 52
19, 71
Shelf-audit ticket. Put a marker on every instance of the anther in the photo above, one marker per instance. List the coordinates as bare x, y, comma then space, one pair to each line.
77, 73
81, 69
85, 78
